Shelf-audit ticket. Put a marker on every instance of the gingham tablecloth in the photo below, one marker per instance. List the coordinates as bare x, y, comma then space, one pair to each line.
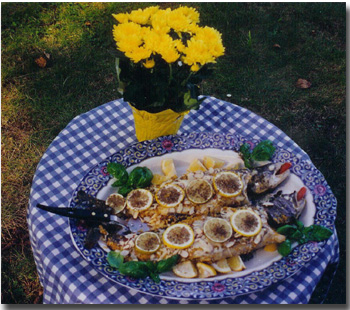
91, 137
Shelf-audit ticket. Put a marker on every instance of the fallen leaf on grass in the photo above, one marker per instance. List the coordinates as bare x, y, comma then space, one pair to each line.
41, 62
47, 55
276, 45
304, 84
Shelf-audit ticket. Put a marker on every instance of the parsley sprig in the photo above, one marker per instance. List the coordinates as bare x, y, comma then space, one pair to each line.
140, 269
297, 232
261, 152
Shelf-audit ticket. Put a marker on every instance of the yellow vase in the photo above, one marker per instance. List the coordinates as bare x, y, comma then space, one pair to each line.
153, 125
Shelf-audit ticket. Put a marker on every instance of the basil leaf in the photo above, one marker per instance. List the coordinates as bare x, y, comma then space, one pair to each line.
140, 177
124, 190
167, 264
134, 269
155, 277
118, 171
297, 235
245, 150
285, 247
299, 224
286, 230
263, 151
317, 233
115, 259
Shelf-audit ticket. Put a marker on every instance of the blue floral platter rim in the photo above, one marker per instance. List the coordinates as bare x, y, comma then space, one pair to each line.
98, 177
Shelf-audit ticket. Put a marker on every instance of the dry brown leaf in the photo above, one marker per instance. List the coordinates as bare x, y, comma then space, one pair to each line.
302, 83
41, 62
87, 24
277, 45
47, 55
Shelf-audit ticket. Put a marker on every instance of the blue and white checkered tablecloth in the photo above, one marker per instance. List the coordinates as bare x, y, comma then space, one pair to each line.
87, 140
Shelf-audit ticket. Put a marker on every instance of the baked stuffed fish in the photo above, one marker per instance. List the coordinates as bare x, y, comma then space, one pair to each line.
205, 217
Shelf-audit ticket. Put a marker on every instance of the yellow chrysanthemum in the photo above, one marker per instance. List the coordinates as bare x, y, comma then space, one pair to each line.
191, 13
159, 21
178, 21
139, 16
127, 29
197, 52
195, 67
170, 55
212, 38
121, 17
179, 46
151, 10
149, 63
151, 39
138, 54
166, 49
142, 33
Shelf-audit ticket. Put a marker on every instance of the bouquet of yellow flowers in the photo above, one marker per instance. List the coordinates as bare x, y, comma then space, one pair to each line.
163, 55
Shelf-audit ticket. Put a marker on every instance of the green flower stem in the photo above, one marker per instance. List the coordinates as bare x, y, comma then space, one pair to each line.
170, 74
189, 76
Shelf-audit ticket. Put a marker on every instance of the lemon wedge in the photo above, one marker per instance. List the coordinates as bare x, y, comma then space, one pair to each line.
196, 165
217, 229
139, 199
147, 243
199, 191
228, 184
168, 167
205, 270
158, 179
185, 269
222, 266
246, 222
116, 202
178, 236
212, 162
170, 195
271, 247
236, 263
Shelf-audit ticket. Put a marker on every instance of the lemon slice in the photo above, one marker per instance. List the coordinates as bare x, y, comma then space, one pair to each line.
158, 179
271, 247
199, 191
205, 271
178, 236
116, 202
139, 199
212, 162
147, 243
217, 229
236, 263
168, 167
196, 165
228, 184
170, 195
222, 266
246, 222
185, 269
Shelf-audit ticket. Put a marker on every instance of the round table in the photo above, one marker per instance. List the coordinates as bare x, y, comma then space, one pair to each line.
91, 137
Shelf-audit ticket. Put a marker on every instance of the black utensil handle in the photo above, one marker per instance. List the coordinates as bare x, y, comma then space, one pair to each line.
82, 214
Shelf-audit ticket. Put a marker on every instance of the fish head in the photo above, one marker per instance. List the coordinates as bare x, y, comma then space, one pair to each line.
284, 208
268, 176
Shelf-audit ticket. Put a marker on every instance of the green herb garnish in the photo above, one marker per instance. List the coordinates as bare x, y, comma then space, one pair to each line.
139, 269
301, 234
118, 171
263, 151
139, 177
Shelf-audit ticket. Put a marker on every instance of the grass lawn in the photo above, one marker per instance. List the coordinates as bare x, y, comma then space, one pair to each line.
269, 46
